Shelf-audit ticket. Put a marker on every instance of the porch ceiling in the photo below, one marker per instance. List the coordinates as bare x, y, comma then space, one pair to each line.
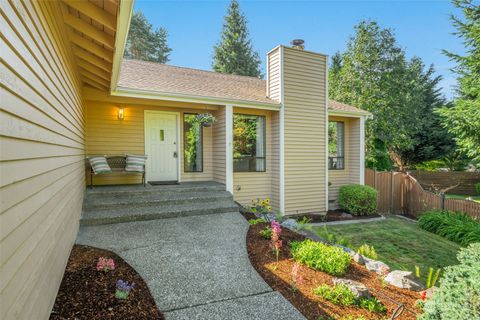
91, 28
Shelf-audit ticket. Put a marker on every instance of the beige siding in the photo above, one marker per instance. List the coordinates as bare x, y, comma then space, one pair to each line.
351, 173
248, 186
305, 119
105, 134
219, 147
273, 76
275, 179
42, 157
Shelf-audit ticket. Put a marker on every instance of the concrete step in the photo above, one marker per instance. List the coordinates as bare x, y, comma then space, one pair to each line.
132, 213
149, 199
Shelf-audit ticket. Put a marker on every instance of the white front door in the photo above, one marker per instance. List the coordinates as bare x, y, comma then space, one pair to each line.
161, 146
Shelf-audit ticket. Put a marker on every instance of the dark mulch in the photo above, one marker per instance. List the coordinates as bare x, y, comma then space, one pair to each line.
332, 215
278, 276
86, 293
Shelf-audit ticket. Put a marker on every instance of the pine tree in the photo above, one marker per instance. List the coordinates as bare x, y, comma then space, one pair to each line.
144, 43
234, 53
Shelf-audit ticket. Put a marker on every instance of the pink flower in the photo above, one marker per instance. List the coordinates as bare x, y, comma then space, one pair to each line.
276, 231
277, 244
105, 264
297, 278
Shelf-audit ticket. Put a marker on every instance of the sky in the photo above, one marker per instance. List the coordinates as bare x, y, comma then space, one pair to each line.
422, 28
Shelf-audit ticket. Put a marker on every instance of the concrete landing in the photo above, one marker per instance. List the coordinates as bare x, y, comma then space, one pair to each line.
196, 267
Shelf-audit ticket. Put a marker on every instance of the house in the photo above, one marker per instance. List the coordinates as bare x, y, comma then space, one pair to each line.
66, 92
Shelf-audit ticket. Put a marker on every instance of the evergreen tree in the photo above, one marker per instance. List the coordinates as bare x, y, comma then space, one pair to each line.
463, 119
234, 53
144, 43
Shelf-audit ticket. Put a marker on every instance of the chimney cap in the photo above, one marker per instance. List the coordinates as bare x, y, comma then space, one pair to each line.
298, 43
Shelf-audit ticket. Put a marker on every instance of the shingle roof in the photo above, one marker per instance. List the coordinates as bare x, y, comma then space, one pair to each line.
151, 76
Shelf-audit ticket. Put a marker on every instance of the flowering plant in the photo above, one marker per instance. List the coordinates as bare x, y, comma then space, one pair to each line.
297, 278
206, 119
276, 232
105, 264
262, 207
123, 289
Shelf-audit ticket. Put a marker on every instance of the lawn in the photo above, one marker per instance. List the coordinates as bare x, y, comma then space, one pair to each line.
462, 196
399, 243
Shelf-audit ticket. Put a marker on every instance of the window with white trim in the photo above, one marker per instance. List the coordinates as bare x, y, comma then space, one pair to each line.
336, 145
249, 147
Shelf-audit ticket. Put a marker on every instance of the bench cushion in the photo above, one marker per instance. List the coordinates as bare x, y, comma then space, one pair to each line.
135, 163
99, 165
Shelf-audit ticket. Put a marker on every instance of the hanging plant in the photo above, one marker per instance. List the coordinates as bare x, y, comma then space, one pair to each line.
206, 119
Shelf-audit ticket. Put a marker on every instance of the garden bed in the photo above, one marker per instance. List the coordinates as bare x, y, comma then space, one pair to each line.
86, 293
279, 276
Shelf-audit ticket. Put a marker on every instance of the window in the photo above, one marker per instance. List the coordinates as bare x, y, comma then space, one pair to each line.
193, 143
248, 143
336, 145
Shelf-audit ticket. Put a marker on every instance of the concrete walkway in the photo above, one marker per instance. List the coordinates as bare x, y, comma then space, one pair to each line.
196, 267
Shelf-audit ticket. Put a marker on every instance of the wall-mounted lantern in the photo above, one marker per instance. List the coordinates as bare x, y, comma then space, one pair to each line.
121, 113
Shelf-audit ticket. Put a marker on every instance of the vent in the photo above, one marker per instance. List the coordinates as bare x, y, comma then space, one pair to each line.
298, 44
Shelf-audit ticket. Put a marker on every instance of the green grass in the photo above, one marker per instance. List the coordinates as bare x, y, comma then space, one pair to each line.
461, 197
400, 243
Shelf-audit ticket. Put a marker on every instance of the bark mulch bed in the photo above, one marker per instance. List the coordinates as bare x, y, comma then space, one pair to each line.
86, 293
333, 215
278, 276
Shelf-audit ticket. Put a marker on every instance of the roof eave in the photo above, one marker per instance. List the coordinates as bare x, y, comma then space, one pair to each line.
159, 95
357, 114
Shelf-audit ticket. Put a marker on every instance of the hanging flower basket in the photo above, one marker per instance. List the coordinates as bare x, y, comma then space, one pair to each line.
206, 119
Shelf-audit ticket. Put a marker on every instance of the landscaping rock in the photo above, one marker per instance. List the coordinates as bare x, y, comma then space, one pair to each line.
358, 258
427, 294
357, 288
377, 266
346, 249
346, 215
403, 279
290, 224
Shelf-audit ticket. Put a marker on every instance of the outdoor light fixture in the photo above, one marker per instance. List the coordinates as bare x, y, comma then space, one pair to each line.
121, 112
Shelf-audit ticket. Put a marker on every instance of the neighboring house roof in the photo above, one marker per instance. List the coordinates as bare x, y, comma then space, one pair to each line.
157, 77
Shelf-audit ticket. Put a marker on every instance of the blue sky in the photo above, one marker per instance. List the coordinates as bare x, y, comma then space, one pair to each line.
422, 28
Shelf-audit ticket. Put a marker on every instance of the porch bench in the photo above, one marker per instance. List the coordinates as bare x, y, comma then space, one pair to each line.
117, 163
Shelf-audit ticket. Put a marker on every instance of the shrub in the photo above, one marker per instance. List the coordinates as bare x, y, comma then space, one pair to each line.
367, 251
458, 296
266, 233
477, 188
341, 294
358, 200
256, 221
457, 227
319, 256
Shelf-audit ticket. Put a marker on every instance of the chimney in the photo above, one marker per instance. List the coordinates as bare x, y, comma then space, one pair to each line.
298, 44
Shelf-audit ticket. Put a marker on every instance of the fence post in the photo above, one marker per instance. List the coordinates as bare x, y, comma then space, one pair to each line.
391, 191
442, 204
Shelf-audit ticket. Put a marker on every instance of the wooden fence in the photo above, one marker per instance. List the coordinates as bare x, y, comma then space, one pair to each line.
401, 193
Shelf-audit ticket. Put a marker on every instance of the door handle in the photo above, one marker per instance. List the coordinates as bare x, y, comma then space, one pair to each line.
175, 155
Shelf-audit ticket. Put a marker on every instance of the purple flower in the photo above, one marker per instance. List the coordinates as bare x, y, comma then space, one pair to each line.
125, 286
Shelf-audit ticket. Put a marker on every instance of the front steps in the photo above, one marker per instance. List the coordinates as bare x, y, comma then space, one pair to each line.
117, 204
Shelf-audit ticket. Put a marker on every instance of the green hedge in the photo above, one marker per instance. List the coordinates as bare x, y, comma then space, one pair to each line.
458, 296
358, 200
330, 259
477, 187
454, 226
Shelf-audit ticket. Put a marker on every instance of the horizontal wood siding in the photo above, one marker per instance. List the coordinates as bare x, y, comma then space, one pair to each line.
219, 147
248, 186
305, 120
273, 76
42, 157
106, 134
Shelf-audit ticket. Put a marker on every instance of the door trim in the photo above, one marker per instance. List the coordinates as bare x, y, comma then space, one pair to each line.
179, 154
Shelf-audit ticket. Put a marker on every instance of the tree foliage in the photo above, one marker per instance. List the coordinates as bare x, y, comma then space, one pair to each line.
374, 74
234, 53
463, 118
144, 43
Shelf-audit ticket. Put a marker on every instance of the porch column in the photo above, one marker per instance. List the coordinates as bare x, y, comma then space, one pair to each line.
229, 148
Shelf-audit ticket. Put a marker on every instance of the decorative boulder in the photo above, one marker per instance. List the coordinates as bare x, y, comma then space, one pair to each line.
377, 266
404, 280
358, 258
357, 288
290, 224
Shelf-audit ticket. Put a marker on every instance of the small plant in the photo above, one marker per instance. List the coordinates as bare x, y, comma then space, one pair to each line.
123, 289
302, 224
276, 242
358, 200
261, 207
333, 239
266, 233
454, 226
368, 251
206, 119
341, 294
330, 259
297, 278
256, 221
432, 277
277, 245
105, 264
